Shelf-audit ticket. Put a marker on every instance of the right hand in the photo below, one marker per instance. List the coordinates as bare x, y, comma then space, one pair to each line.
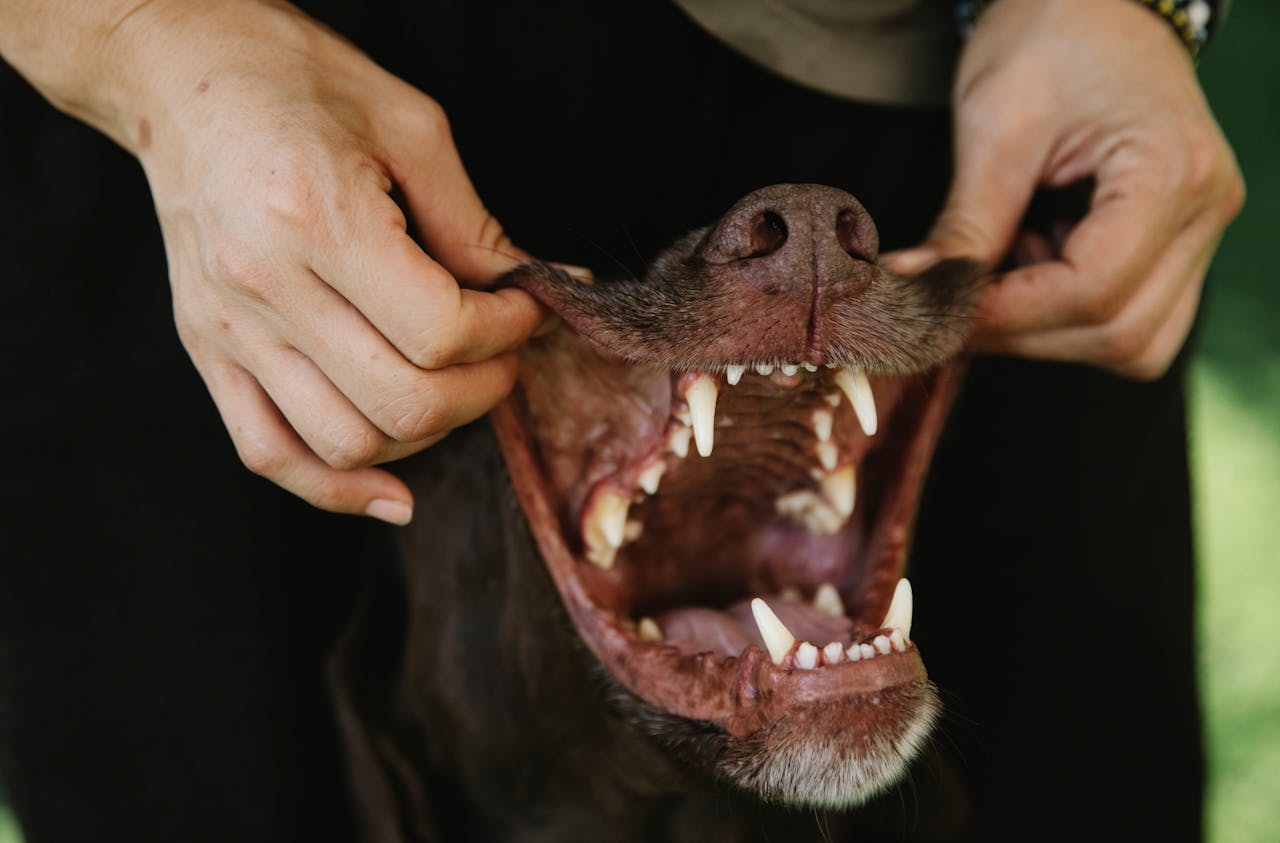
329, 340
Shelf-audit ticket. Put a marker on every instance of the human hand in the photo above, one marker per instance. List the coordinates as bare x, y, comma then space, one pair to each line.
329, 340
1052, 91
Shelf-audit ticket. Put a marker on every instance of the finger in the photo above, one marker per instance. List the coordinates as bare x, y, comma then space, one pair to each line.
326, 420
413, 301
997, 168
1155, 360
1119, 344
405, 402
270, 448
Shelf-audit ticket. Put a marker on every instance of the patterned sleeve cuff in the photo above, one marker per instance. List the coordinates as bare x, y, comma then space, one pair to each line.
1193, 20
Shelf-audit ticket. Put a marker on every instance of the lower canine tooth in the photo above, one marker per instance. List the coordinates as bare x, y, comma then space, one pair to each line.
839, 487
778, 640
806, 656
649, 630
701, 398
855, 385
733, 373
833, 653
827, 601
900, 608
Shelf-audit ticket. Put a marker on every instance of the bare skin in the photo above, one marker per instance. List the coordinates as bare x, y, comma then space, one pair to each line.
1051, 91
332, 343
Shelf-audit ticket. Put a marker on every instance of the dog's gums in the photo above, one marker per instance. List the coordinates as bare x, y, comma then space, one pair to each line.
720, 463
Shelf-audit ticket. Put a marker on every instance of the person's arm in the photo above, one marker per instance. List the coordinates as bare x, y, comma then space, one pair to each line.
1052, 91
329, 340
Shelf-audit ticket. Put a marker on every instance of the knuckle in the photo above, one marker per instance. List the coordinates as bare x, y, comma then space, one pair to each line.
1145, 369
291, 196
328, 492
353, 446
232, 263
415, 419
260, 456
1118, 348
1236, 194
1100, 305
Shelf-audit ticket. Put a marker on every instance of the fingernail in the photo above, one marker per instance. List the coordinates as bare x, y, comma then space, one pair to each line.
393, 512
911, 261
581, 273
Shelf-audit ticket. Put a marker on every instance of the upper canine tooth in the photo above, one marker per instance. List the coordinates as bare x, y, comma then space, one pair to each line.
899, 614
827, 601
777, 638
840, 488
855, 385
733, 373
606, 526
701, 398
765, 369
652, 473
823, 419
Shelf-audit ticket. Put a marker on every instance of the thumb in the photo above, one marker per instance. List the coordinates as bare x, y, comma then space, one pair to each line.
995, 175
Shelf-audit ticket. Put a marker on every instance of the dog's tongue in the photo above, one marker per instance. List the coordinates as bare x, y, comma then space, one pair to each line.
698, 629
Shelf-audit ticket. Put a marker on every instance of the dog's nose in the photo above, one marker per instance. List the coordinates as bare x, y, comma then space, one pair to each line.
795, 231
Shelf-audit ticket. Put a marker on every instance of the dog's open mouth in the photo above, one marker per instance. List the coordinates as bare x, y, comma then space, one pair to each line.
729, 533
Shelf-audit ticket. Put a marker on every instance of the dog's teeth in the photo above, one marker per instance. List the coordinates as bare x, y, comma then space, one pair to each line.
649, 630
733, 373
840, 488
834, 399
678, 440
701, 398
632, 531
789, 369
806, 656
765, 369
828, 455
831, 365
606, 526
778, 640
899, 643
791, 594
810, 510
882, 645
868, 652
855, 385
652, 474
809, 367
823, 419
899, 614
827, 601
833, 653
854, 653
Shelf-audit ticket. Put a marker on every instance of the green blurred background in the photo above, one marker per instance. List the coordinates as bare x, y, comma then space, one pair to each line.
1235, 448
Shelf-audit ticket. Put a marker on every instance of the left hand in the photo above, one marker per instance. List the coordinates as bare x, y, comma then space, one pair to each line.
1052, 91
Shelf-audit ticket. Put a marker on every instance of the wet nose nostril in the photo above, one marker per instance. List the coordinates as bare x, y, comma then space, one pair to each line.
768, 232
853, 236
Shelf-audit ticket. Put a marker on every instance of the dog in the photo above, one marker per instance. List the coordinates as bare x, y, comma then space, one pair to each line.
666, 576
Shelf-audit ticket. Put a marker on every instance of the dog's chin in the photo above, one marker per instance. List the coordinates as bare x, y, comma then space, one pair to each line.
730, 546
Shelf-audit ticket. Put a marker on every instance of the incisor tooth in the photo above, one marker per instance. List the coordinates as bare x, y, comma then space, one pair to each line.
806, 656
777, 638
854, 653
823, 419
649, 630
765, 369
733, 373
854, 383
833, 653
789, 369
899, 614
701, 398
882, 645
605, 527
652, 473
827, 601
809, 367
841, 489
868, 652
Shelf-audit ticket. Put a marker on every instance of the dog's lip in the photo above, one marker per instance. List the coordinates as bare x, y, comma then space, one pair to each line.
740, 694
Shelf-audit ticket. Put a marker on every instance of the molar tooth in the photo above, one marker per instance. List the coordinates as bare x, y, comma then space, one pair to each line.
789, 369
882, 645
649, 630
898, 642
828, 455
810, 510
806, 656
833, 653
777, 638
855, 385
701, 397
899, 614
854, 653
827, 601
733, 373
652, 473
823, 419
808, 367
605, 527
867, 651
765, 369
678, 441
840, 488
